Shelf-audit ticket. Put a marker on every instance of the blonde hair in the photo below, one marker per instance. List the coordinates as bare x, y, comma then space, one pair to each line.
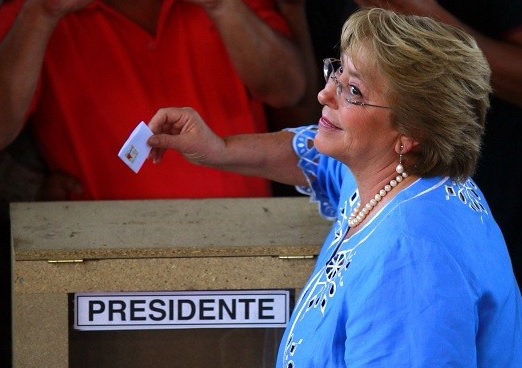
438, 86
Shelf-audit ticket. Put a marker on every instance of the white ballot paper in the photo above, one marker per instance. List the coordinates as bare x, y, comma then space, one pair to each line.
136, 150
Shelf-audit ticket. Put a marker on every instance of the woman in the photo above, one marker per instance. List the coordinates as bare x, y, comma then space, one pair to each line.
415, 271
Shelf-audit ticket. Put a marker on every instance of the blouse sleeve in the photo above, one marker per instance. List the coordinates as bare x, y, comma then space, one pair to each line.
414, 309
324, 174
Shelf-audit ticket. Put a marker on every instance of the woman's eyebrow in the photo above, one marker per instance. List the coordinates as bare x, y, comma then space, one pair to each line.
353, 72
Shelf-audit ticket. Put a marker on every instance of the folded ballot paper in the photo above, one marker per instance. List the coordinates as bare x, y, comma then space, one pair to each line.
136, 150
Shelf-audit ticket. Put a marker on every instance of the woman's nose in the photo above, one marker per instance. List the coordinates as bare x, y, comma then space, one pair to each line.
328, 96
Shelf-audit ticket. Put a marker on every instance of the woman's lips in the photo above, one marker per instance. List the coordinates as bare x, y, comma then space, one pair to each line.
325, 123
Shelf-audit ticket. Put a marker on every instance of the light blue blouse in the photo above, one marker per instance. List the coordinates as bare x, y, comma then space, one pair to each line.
427, 282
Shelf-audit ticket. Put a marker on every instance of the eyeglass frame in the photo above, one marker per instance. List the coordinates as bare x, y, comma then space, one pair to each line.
329, 72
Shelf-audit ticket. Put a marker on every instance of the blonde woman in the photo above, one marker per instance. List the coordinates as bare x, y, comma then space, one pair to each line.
415, 271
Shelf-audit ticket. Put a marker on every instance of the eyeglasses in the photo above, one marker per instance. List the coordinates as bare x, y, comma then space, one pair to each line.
332, 68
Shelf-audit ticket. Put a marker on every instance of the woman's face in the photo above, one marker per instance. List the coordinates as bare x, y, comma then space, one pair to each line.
358, 135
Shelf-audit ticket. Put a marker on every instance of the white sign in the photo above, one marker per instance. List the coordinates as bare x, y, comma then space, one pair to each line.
187, 309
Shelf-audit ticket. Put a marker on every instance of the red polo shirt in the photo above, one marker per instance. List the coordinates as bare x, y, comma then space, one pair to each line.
103, 74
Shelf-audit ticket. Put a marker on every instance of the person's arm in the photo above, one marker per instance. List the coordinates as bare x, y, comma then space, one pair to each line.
504, 56
268, 62
22, 52
268, 155
308, 108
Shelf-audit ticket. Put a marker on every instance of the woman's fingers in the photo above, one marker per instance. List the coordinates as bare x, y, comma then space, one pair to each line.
181, 129
171, 120
163, 141
156, 155
160, 120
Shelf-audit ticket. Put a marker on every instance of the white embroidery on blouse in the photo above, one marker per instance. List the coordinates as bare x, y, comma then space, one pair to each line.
325, 283
467, 193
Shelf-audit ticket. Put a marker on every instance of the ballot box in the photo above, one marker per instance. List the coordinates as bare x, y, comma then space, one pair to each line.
174, 283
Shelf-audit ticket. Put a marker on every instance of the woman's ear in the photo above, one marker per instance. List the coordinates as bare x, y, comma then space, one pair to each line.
405, 144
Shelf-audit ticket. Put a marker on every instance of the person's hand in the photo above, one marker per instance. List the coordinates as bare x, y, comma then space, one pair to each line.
182, 129
57, 8
417, 7
59, 187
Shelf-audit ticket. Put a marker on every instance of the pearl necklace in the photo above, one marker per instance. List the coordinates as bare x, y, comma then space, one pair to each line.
356, 217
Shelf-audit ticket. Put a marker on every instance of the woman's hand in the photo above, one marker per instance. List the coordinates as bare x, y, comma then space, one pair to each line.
183, 130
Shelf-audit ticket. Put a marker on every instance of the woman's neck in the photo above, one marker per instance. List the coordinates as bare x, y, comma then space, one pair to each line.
375, 191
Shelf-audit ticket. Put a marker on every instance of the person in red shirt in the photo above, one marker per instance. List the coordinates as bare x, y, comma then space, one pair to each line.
84, 73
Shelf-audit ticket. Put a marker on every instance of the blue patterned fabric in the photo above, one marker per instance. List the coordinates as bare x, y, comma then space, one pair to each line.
427, 282
308, 162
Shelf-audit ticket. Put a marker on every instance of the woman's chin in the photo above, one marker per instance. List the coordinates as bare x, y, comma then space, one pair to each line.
321, 143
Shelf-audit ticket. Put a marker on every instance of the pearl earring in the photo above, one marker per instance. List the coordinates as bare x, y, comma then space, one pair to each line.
400, 169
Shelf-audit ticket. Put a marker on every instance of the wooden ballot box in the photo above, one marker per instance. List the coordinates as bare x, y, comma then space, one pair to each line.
65, 249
